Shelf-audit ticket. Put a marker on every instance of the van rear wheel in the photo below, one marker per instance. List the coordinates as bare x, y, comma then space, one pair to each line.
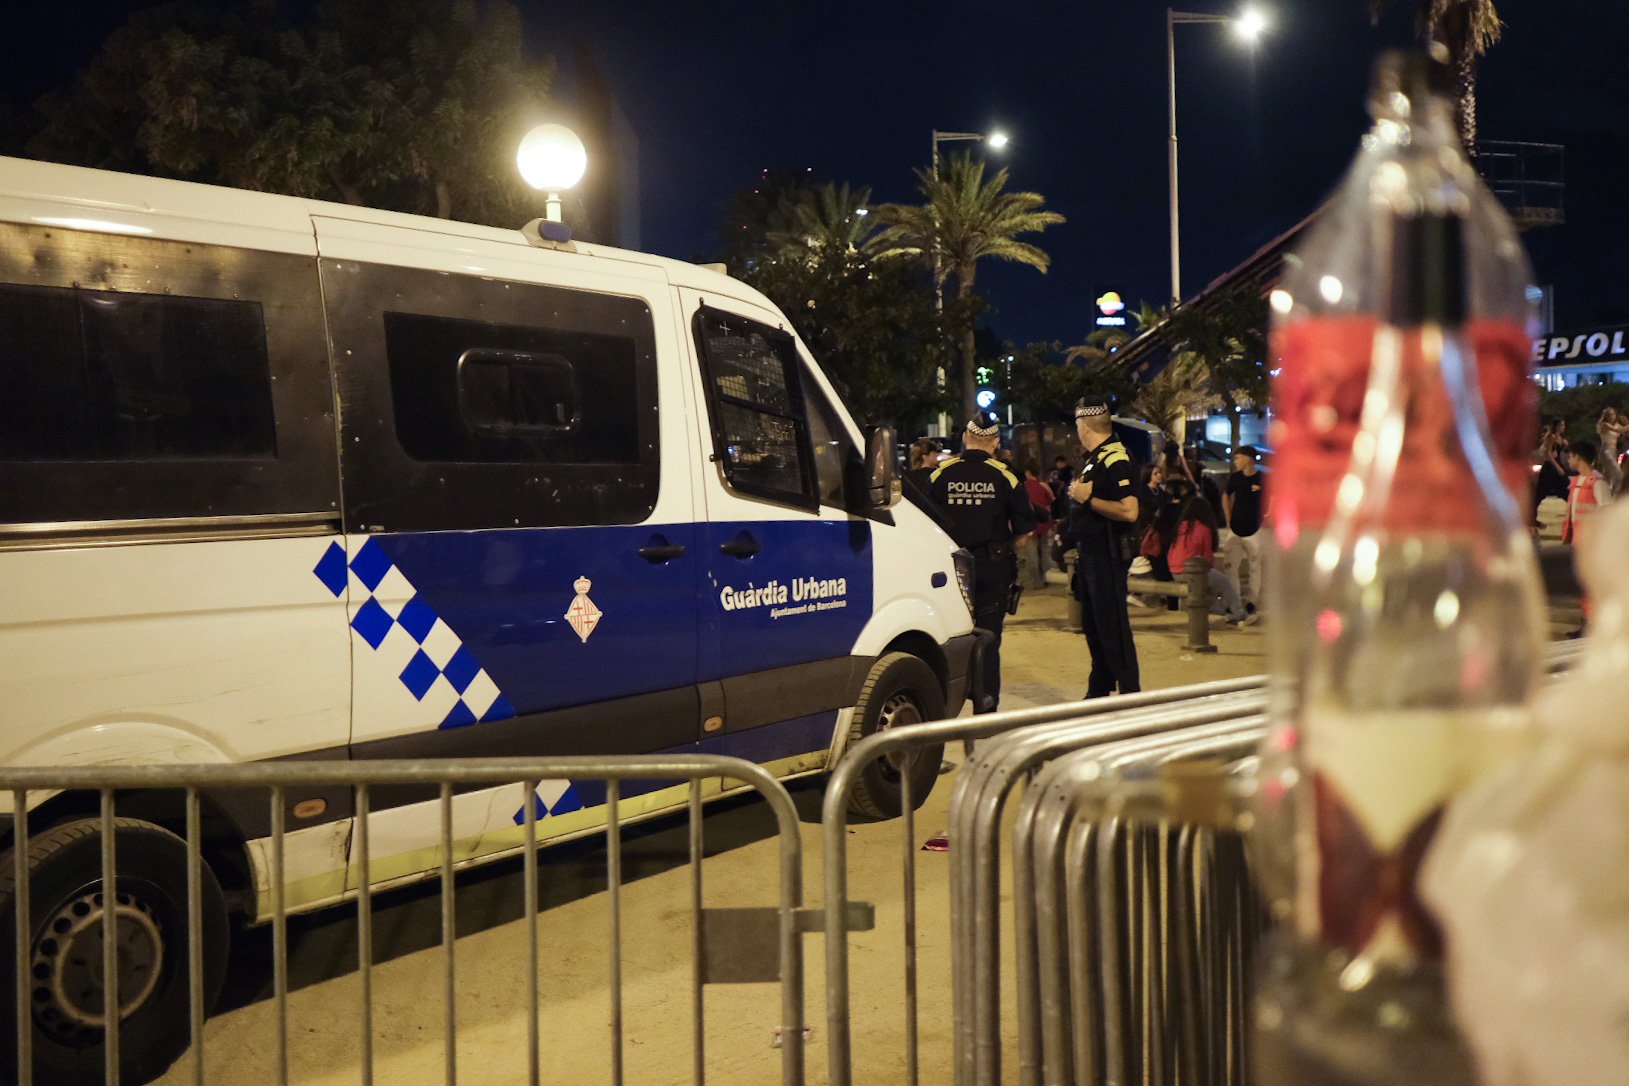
67, 989
900, 691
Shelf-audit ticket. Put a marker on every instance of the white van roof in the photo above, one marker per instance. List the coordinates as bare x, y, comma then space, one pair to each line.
282, 223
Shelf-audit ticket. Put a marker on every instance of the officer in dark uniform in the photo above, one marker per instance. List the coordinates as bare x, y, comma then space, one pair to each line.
988, 512
1102, 509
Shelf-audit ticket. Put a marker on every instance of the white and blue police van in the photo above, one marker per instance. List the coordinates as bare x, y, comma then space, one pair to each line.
283, 479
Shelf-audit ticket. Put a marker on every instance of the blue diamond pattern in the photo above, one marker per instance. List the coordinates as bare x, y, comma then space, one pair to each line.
331, 570
567, 802
500, 710
420, 674
417, 618
539, 812
461, 669
372, 622
459, 715
371, 564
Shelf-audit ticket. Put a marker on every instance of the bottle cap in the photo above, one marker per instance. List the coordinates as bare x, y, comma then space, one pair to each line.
1410, 75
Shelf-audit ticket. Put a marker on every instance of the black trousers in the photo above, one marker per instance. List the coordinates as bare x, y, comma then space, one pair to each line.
992, 587
1100, 586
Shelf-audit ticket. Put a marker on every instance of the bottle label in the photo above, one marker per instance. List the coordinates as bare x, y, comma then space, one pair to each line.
1380, 783
1318, 403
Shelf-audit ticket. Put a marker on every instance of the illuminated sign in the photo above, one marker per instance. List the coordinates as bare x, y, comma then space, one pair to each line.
985, 398
1110, 309
1582, 348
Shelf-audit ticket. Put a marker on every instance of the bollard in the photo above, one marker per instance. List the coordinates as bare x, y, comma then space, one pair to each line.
1197, 573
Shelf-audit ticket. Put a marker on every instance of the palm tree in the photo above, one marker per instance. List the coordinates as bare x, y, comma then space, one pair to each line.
964, 219
1465, 28
824, 220
1181, 390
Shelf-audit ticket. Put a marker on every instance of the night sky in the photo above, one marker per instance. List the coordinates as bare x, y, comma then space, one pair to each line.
716, 92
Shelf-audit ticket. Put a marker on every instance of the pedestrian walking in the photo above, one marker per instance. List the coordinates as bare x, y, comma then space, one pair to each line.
1103, 508
989, 512
1242, 505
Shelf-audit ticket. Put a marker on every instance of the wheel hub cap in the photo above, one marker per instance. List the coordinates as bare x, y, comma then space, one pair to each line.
68, 980
898, 711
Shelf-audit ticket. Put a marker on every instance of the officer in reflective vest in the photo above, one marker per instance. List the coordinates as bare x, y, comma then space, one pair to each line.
1102, 509
988, 512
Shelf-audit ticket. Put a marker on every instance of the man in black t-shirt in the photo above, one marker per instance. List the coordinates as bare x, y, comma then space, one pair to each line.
1241, 511
1102, 509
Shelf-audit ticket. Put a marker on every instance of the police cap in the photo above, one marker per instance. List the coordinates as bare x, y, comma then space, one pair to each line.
1091, 406
984, 424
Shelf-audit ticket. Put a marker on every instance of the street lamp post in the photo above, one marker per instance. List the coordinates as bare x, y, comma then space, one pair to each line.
1248, 25
997, 140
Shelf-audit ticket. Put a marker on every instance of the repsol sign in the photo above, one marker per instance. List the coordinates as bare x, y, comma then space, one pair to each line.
1597, 345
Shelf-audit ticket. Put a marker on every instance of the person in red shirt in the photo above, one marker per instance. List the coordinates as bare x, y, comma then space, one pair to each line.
1196, 538
1587, 490
1033, 550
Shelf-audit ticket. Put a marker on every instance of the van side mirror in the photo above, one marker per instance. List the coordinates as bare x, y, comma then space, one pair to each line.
881, 480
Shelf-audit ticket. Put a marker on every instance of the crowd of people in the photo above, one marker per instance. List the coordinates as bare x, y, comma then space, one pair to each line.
1585, 474
1100, 514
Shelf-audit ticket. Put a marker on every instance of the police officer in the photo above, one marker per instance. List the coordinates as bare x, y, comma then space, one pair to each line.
988, 512
1102, 509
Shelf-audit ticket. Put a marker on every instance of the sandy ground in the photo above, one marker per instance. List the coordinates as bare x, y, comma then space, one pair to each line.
1044, 663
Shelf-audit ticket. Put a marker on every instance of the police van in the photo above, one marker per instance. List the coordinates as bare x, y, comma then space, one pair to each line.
287, 479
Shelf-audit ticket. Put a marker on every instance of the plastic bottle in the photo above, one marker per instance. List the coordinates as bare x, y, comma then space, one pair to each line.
1405, 608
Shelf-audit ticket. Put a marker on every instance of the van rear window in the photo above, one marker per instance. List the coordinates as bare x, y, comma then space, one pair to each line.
98, 375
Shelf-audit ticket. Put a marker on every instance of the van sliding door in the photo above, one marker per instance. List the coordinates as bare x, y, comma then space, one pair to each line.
524, 546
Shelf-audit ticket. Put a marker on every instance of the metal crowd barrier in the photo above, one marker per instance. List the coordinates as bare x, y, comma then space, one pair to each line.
728, 945
1134, 923
913, 741
1127, 942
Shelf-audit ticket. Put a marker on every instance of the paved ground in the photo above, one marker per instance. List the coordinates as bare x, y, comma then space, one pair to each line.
1044, 664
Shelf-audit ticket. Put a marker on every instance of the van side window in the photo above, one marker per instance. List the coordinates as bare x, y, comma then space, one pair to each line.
469, 402
114, 375
491, 393
760, 430
836, 458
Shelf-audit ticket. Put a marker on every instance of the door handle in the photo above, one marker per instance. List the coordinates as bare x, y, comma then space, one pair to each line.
657, 553
742, 546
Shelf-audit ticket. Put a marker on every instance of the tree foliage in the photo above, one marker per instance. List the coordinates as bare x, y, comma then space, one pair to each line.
1227, 335
1047, 385
965, 218
420, 111
869, 318
1179, 391
1581, 407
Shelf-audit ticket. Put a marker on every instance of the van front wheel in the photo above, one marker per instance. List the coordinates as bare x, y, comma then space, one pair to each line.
67, 993
901, 690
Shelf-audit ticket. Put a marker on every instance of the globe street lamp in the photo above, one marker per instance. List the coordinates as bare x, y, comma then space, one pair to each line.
552, 159
997, 140
1248, 25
